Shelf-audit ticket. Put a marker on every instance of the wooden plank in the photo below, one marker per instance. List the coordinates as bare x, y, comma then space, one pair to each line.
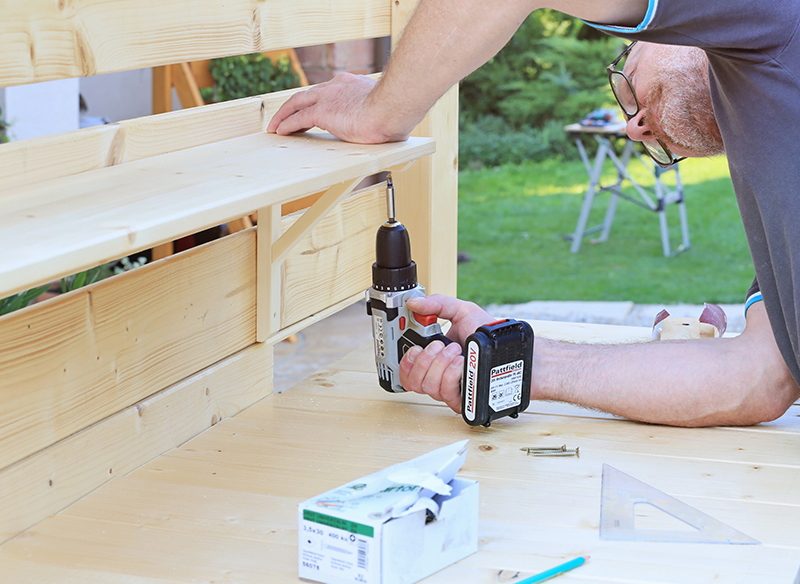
268, 273
50, 480
77, 359
42, 40
186, 86
64, 226
427, 194
28, 162
230, 494
339, 252
162, 89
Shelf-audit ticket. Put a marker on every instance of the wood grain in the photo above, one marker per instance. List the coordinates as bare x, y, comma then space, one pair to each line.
339, 251
42, 40
64, 226
27, 162
232, 492
48, 481
77, 359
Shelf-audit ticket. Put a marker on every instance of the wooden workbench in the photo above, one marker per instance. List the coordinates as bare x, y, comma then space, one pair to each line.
222, 508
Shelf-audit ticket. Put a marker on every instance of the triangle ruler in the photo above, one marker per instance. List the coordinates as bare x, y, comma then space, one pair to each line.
621, 494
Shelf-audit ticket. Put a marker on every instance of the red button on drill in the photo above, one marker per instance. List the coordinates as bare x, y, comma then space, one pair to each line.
425, 319
402, 323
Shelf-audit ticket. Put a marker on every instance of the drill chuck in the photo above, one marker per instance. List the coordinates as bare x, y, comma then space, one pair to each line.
393, 270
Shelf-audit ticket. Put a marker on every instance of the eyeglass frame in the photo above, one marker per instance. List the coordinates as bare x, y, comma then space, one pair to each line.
611, 71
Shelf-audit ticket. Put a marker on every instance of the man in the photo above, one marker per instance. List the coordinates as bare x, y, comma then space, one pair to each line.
754, 84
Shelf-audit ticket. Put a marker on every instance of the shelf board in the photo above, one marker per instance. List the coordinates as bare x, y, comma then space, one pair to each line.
63, 226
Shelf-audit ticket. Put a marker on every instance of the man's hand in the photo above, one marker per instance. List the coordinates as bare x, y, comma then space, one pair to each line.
343, 106
436, 370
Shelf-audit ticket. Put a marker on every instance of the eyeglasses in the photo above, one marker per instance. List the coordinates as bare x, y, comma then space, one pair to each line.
623, 91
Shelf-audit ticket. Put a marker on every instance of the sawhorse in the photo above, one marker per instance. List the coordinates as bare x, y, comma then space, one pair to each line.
664, 195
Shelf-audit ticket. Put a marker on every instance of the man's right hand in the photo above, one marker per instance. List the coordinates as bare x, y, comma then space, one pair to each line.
343, 106
436, 370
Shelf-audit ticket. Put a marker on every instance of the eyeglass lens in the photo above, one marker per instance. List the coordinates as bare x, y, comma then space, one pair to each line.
624, 93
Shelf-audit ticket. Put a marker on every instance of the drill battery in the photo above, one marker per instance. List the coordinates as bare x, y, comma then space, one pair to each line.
497, 372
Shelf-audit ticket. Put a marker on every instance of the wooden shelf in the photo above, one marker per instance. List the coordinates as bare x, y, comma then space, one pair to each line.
63, 226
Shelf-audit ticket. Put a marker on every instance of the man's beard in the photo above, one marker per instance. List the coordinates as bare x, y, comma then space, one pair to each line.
680, 99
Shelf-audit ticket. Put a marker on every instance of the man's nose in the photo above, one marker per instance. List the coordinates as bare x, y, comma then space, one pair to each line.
637, 128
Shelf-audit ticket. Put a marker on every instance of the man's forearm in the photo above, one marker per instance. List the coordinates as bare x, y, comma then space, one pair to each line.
736, 381
444, 41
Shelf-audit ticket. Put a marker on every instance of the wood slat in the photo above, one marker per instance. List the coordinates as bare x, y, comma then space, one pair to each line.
28, 162
50, 480
339, 252
64, 226
42, 40
79, 358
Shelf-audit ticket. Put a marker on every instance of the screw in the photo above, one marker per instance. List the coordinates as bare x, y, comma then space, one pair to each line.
531, 449
575, 452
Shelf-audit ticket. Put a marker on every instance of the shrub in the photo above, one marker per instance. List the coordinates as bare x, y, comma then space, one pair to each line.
247, 75
3, 129
547, 75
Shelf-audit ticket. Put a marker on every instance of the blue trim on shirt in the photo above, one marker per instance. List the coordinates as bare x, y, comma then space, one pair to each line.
752, 300
648, 17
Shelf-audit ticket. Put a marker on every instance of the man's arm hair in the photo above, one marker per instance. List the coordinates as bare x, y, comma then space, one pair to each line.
706, 382
444, 41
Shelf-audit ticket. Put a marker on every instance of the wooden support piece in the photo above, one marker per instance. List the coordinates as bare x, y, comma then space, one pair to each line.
268, 273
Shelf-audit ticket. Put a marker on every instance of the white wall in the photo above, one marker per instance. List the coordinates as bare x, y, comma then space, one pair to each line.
119, 96
40, 109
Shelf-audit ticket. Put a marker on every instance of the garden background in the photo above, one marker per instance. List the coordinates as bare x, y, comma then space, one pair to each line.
522, 183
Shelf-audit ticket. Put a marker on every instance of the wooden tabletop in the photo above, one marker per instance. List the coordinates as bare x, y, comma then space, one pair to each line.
608, 129
223, 508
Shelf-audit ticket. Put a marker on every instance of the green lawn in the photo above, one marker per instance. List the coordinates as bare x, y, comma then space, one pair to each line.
512, 222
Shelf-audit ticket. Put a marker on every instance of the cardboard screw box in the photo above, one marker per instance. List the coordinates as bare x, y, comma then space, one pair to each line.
395, 526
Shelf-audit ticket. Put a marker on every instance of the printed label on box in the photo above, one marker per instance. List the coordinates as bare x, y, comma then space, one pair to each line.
505, 386
336, 546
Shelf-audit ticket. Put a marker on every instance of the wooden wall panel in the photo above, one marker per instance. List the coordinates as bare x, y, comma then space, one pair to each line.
56, 39
75, 360
334, 262
56, 477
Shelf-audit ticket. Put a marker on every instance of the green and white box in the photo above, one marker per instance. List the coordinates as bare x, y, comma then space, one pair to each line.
395, 526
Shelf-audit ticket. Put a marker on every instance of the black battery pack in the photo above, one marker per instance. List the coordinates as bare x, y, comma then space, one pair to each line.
497, 372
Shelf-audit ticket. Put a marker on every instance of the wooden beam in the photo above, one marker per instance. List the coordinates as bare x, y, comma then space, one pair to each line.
52, 479
72, 361
162, 89
339, 252
306, 222
273, 246
186, 85
268, 273
42, 40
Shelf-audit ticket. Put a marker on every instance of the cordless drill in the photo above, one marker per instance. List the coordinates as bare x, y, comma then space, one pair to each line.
395, 328
499, 356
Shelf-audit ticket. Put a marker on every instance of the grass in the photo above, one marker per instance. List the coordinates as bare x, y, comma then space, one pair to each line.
512, 221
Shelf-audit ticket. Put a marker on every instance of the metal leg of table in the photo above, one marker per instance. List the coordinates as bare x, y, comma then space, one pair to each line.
666, 197
594, 171
614, 189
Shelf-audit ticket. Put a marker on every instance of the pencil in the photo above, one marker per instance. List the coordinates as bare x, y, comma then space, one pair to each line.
553, 572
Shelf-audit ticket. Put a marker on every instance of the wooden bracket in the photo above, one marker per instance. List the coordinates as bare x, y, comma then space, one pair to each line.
273, 248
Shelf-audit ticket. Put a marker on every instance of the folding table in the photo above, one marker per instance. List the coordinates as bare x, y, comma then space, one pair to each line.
655, 198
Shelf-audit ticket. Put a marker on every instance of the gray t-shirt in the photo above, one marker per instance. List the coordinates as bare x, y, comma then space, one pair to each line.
753, 51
